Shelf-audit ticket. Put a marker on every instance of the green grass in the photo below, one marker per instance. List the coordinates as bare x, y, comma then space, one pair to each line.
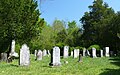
89, 66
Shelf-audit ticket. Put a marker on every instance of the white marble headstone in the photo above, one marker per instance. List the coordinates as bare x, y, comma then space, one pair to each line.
39, 55
13, 46
84, 50
71, 53
35, 53
44, 52
75, 53
13, 53
101, 53
65, 52
94, 52
55, 57
24, 56
107, 51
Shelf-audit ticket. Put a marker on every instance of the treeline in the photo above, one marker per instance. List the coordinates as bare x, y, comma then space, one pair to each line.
20, 20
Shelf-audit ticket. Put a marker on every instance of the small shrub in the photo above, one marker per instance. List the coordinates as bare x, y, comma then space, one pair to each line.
95, 46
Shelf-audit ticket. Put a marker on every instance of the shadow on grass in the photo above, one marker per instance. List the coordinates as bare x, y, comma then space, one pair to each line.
111, 72
115, 61
14, 65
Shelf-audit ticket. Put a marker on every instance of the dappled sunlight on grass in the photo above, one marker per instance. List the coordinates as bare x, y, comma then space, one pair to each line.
89, 66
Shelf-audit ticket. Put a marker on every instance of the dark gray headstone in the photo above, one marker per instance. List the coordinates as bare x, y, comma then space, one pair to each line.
80, 58
24, 56
3, 57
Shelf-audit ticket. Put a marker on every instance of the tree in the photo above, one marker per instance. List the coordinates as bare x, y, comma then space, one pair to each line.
95, 22
73, 34
18, 20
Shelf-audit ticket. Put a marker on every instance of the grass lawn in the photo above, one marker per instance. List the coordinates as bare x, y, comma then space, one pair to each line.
89, 66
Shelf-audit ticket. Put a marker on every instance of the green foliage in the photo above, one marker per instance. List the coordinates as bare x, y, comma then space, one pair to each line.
97, 47
18, 20
96, 24
17, 48
71, 48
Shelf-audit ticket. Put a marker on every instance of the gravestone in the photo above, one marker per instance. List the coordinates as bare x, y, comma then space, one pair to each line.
65, 52
48, 52
107, 51
35, 53
88, 53
39, 55
13, 53
84, 51
3, 57
75, 53
13, 46
80, 58
94, 53
24, 56
44, 52
101, 53
55, 57
111, 53
71, 53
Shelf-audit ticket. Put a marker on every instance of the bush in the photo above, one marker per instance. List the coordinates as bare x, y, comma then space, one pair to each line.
95, 46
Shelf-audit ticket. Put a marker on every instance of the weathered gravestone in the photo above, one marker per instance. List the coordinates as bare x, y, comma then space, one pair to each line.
71, 53
65, 52
101, 53
3, 57
75, 53
107, 51
44, 52
87, 52
78, 51
39, 55
94, 53
35, 53
84, 51
80, 58
24, 56
55, 57
13, 53
48, 52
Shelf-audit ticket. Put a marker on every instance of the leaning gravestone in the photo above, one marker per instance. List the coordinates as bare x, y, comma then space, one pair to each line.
84, 51
55, 57
94, 53
39, 55
13, 53
44, 52
75, 53
24, 56
101, 53
107, 51
65, 52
